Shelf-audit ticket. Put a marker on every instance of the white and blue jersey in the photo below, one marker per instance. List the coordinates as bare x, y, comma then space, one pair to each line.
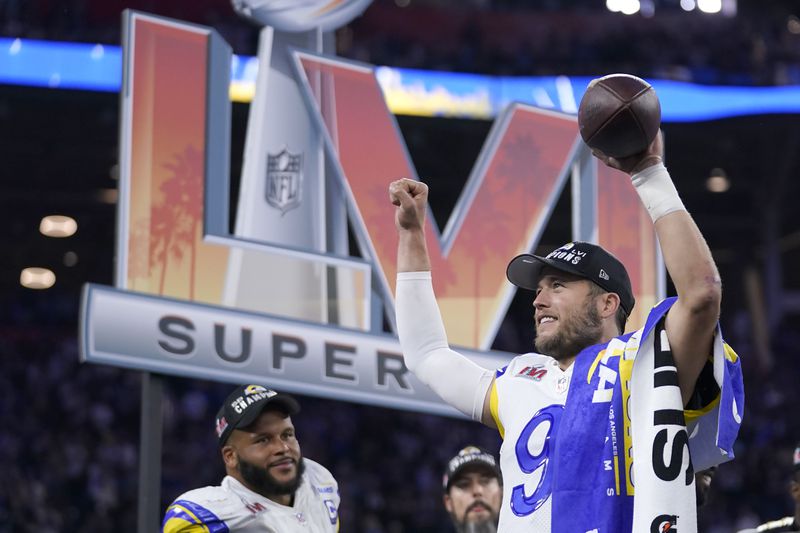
233, 508
591, 474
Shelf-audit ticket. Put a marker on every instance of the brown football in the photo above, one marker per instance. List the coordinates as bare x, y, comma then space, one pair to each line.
619, 115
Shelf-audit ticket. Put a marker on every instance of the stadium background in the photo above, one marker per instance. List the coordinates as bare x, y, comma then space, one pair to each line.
68, 447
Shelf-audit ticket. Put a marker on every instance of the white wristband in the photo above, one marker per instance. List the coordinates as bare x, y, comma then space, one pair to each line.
658, 193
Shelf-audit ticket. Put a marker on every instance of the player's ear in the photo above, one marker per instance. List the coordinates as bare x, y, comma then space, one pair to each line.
229, 456
610, 304
448, 503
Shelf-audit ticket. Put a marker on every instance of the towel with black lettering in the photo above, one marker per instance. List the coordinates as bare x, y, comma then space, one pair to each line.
638, 433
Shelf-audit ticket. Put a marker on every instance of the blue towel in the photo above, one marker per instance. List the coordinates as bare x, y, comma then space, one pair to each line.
592, 485
584, 469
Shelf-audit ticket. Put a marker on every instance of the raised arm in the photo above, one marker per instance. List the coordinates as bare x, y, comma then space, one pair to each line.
692, 320
460, 382
411, 199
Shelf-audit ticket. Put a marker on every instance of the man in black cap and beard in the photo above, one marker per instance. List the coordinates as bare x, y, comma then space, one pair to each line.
473, 491
269, 486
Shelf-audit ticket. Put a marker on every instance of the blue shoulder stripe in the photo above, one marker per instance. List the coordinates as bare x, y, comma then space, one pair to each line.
194, 513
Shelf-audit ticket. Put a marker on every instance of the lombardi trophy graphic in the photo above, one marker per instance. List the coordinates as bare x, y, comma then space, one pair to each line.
282, 197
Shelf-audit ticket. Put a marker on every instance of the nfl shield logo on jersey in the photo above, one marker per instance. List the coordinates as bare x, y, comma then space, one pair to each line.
284, 180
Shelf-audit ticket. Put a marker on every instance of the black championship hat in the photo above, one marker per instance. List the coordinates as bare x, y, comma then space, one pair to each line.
580, 258
243, 405
470, 457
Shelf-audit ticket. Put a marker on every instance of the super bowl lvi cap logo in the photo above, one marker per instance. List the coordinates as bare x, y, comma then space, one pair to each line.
564, 248
567, 254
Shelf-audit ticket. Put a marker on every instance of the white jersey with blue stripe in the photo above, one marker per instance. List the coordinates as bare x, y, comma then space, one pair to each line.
523, 396
527, 402
233, 508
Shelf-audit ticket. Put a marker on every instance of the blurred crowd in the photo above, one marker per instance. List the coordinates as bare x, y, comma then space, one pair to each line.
69, 444
758, 47
762, 49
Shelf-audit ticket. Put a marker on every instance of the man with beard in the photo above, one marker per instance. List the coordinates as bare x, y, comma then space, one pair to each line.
269, 486
568, 413
473, 491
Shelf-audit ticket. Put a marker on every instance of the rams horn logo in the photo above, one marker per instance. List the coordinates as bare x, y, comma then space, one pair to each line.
252, 389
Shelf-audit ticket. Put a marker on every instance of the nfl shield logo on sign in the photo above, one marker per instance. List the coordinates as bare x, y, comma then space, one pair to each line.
284, 180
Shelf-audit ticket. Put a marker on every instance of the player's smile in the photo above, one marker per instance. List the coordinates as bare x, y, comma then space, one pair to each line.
546, 324
543, 320
284, 466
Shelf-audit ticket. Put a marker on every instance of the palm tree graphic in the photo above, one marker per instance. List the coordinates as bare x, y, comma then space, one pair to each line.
176, 219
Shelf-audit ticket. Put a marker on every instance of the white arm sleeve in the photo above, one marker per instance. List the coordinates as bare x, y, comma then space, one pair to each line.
459, 381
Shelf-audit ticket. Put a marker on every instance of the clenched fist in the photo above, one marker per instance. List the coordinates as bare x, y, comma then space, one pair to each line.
411, 199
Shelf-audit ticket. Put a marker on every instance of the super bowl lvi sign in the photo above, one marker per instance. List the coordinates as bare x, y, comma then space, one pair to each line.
279, 300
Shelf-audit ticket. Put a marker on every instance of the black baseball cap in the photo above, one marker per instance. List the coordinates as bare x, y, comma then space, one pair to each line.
580, 258
470, 457
243, 405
